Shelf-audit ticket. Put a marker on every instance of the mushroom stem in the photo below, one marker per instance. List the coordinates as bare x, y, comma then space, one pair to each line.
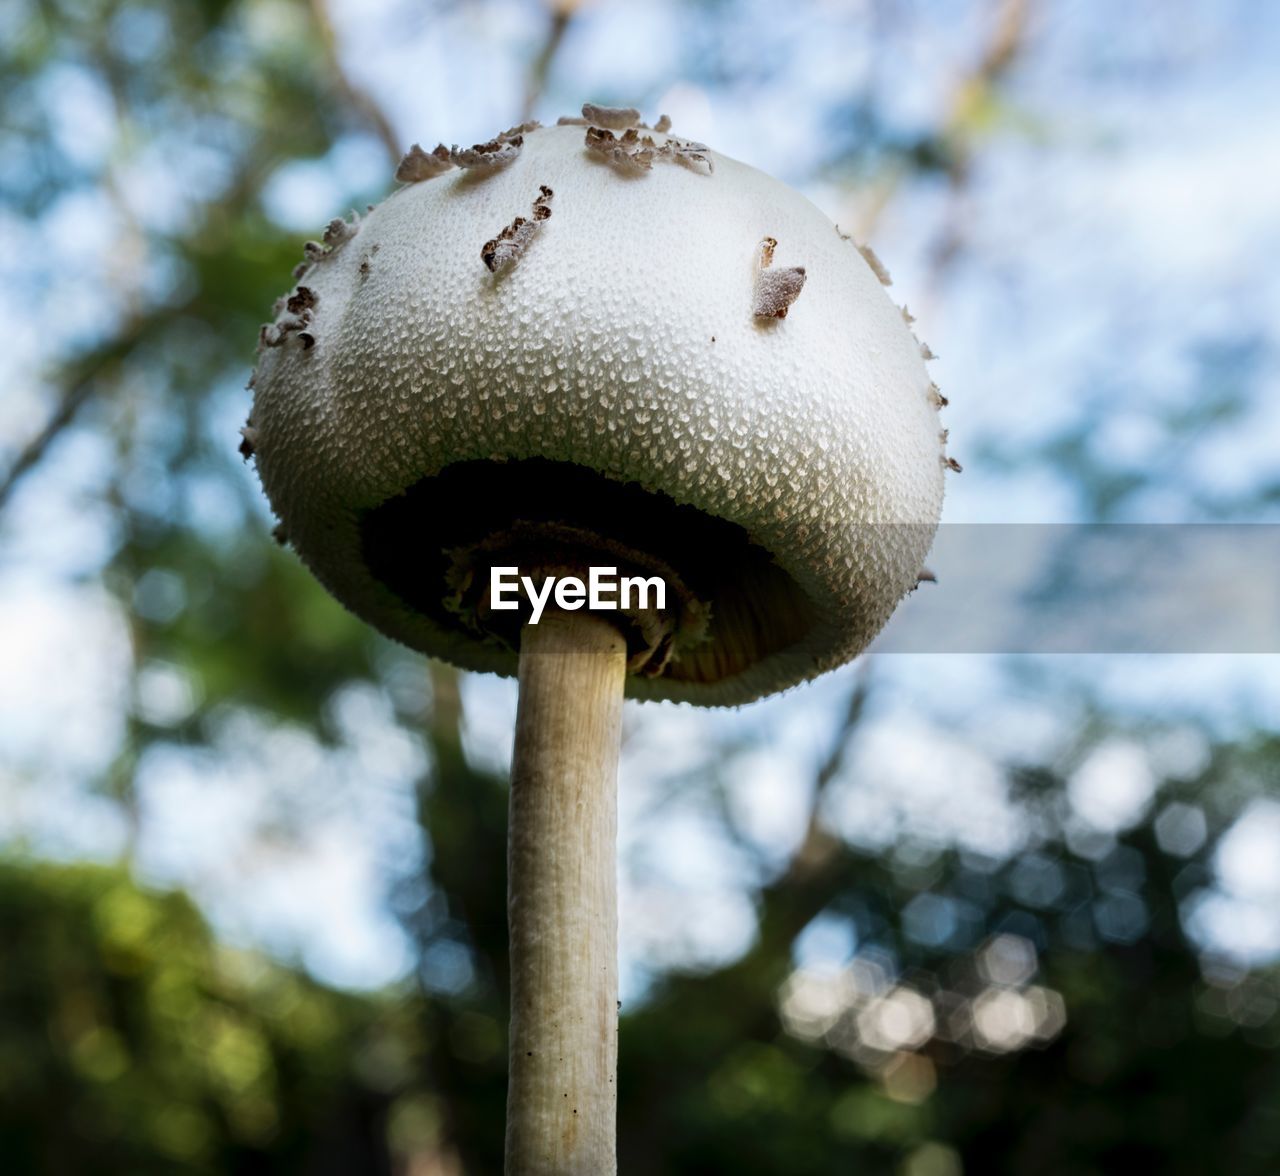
562, 901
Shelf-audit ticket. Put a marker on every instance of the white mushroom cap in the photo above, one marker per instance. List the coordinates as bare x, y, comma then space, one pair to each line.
408, 400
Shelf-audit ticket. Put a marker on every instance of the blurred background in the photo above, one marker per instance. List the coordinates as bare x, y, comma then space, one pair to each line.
932, 915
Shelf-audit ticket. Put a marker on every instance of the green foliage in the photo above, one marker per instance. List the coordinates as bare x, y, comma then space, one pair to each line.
1156, 1067
134, 1043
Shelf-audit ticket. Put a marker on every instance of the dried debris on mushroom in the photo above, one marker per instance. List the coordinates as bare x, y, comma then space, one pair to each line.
271, 335
520, 130
493, 154
926, 352
936, 397
907, 316
336, 234
776, 289
688, 152
925, 576
953, 465
248, 441
499, 151
418, 165
612, 118
628, 152
279, 534
634, 151
303, 298
505, 249
877, 266
338, 231
277, 334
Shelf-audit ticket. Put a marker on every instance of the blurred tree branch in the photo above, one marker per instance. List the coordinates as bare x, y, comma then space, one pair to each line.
970, 111
357, 97
954, 143
79, 382
562, 13
818, 847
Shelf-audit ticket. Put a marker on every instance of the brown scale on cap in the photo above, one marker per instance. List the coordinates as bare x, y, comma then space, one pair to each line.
418, 165
486, 156
634, 151
303, 298
338, 232
776, 289
612, 118
270, 335
519, 131
630, 151
877, 266
505, 249
277, 334
686, 151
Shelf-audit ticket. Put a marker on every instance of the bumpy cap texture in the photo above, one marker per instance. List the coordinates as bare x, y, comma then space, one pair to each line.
633, 329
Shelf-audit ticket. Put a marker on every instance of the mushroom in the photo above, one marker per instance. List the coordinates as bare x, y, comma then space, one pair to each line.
559, 364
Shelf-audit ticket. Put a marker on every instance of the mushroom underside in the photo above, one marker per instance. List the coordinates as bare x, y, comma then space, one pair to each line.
411, 544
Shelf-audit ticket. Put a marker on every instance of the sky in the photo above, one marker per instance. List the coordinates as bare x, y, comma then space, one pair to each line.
1120, 218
